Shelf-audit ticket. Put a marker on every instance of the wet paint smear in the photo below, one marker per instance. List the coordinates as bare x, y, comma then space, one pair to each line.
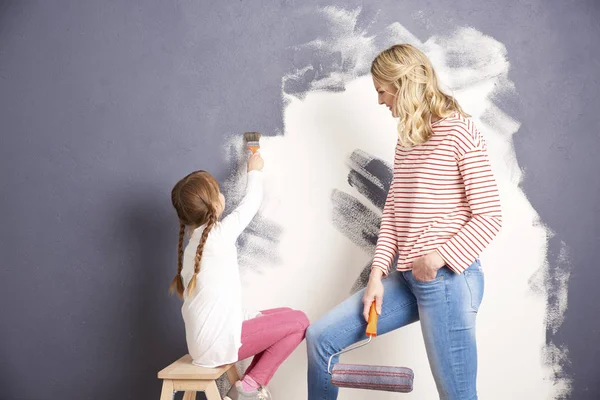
258, 243
371, 177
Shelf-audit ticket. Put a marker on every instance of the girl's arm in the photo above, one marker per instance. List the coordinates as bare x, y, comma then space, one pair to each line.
234, 224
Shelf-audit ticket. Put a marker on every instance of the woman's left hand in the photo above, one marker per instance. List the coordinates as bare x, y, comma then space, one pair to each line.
425, 268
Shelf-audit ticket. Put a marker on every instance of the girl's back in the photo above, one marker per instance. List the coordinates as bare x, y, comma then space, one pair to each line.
213, 312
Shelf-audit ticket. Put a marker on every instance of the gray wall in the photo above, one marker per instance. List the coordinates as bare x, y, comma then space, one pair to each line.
104, 105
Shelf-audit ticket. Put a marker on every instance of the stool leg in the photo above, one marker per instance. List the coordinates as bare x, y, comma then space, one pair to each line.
168, 392
212, 391
189, 396
233, 375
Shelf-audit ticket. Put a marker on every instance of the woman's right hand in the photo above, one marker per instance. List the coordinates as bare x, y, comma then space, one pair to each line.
255, 162
373, 293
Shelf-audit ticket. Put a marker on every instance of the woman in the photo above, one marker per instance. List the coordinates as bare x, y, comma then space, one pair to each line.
441, 211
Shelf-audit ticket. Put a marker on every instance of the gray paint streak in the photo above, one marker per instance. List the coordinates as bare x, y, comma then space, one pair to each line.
371, 177
104, 105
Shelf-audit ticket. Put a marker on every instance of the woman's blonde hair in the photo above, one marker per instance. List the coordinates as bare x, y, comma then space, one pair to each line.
419, 98
196, 201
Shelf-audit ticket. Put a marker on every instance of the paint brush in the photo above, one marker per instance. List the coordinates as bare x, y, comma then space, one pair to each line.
252, 141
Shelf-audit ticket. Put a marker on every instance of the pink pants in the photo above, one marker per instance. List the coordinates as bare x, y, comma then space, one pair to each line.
271, 338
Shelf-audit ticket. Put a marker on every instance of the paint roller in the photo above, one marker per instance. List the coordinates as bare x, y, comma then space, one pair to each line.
252, 141
371, 377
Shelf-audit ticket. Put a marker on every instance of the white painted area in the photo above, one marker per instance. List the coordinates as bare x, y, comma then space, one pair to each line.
319, 265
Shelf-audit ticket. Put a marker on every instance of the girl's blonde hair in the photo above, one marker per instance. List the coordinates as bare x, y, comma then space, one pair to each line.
196, 200
419, 98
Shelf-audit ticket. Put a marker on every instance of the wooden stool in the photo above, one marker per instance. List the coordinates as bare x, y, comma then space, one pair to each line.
182, 375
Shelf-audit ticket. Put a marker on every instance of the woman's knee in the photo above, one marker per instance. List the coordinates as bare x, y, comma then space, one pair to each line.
312, 334
317, 333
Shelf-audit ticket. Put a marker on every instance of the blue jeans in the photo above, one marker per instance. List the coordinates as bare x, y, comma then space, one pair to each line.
447, 308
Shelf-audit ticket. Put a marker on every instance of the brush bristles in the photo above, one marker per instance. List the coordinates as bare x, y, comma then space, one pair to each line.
251, 136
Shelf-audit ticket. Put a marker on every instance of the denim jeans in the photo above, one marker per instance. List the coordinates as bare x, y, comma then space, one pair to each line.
447, 308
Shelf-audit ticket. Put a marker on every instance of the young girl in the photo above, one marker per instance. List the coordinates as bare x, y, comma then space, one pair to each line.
217, 330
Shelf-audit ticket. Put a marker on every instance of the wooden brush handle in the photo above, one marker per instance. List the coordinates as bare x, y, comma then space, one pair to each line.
253, 148
372, 323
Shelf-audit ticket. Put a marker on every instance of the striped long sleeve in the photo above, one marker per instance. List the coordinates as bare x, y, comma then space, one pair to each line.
387, 242
486, 216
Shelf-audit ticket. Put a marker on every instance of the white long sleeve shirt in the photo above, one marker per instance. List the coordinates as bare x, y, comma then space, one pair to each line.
213, 313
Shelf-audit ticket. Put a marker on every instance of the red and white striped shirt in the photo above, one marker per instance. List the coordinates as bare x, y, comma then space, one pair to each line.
443, 198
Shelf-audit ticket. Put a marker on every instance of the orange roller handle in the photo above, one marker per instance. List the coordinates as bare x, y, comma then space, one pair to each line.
372, 323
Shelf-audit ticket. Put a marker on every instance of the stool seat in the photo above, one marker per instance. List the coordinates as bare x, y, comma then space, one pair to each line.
184, 369
185, 376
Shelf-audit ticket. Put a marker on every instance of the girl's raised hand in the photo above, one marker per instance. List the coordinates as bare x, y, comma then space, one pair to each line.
255, 162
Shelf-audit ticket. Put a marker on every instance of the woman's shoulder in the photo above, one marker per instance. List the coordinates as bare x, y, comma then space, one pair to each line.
457, 124
459, 127
460, 132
